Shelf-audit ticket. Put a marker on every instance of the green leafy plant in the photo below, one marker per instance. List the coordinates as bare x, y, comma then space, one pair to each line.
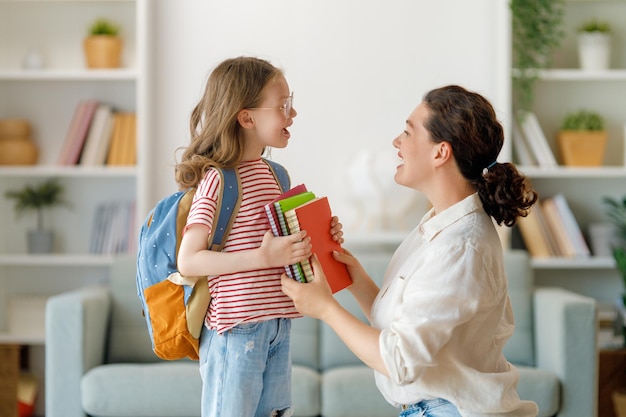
103, 27
595, 26
583, 120
616, 213
37, 198
537, 30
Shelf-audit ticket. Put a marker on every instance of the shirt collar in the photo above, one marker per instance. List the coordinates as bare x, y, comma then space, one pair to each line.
432, 224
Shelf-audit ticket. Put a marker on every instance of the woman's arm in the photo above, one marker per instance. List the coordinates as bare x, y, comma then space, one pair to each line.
315, 299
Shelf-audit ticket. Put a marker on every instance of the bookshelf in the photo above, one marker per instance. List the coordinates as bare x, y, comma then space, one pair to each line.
47, 98
563, 89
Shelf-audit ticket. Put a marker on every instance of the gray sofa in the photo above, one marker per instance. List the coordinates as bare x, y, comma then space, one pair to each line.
99, 361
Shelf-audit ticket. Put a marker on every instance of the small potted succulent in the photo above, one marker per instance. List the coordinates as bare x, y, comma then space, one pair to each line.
582, 139
103, 46
37, 198
594, 45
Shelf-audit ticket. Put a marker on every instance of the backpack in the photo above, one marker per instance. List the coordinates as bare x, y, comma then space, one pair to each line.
175, 306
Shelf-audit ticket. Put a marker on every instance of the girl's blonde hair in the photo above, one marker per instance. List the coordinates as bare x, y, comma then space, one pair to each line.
216, 139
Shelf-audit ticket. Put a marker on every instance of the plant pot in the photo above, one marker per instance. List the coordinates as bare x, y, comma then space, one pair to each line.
102, 51
594, 51
582, 148
40, 241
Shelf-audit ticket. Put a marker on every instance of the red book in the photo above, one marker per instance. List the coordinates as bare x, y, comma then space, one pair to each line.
77, 141
314, 217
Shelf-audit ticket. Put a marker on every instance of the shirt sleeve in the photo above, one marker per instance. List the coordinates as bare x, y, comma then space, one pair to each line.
204, 204
442, 293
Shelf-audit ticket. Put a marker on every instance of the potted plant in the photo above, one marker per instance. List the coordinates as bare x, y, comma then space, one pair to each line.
594, 45
38, 198
616, 214
582, 139
103, 46
537, 30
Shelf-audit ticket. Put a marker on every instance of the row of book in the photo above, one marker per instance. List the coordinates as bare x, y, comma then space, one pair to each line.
99, 135
551, 230
530, 144
299, 209
113, 229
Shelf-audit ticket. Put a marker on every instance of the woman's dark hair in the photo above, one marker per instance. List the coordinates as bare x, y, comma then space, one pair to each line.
467, 121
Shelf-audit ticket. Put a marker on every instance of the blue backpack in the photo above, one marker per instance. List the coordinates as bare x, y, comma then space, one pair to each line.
175, 306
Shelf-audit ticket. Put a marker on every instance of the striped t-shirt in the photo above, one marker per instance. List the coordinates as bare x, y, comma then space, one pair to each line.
252, 295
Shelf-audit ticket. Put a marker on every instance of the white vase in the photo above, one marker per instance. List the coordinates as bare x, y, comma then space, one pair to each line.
594, 51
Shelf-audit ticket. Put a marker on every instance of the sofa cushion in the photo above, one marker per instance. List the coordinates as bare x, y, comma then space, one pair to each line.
304, 342
542, 387
305, 391
171, 389
350, 391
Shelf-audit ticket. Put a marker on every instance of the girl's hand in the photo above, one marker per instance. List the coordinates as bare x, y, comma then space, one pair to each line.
336, 230
284, 250
313, 298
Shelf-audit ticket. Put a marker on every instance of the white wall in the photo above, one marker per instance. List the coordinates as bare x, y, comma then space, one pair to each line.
357, 67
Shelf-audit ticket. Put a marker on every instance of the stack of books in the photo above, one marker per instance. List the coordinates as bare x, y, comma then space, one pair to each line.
113, 228
551, 230
98, 135
299, 209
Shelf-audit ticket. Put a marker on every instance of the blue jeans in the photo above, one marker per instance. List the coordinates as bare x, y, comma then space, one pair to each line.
246, 371
431, 408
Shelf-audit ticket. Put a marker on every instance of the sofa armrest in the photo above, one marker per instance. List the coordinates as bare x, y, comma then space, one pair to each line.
565, 343
76, 330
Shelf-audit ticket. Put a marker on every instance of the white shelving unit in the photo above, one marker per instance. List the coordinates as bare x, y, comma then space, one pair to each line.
564, 89
47, 97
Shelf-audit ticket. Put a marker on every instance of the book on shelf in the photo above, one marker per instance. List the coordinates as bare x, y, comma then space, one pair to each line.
123, 149
522, 151
97, 142
571, 226
77, 132
533, 233
556, 227
537, 141
305, 211
111, 230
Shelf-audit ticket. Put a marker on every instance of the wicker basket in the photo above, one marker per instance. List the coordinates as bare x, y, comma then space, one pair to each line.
581, 148
9, 376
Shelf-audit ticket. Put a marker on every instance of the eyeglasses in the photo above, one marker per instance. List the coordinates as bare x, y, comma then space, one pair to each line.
286, 108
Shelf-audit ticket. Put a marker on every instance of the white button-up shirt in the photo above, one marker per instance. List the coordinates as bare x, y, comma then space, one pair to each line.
445, 316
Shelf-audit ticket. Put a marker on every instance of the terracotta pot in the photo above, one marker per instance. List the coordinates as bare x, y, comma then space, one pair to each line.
16, 145
582, 148
103, 51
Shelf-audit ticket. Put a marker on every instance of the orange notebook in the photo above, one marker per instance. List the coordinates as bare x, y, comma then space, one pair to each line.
314, 217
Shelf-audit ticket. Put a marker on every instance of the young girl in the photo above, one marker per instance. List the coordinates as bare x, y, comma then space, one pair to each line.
442, 316
245, 362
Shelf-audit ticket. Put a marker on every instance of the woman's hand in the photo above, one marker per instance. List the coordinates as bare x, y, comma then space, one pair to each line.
284, 250
336, 230
311, 299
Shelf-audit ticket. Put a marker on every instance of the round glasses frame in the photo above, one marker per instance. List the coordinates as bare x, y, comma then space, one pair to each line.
286, 108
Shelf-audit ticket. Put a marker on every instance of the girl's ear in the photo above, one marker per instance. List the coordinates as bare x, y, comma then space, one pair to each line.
244, 117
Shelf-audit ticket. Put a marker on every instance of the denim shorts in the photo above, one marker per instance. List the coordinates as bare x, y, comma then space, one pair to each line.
246, 371
437, 407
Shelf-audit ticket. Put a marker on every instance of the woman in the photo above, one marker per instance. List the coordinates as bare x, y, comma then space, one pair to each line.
442, 316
